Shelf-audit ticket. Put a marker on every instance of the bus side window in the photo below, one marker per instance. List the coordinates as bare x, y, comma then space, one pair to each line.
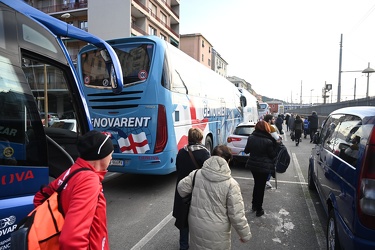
17, 145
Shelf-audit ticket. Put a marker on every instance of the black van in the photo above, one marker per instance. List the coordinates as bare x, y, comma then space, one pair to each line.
342, 170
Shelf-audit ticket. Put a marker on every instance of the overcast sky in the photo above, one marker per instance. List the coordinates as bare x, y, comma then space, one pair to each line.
277, 44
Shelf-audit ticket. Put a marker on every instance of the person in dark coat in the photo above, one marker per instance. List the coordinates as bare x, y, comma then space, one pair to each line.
314, 123
279, 124
298, 126
291, 122
287, 121
263, 151
184, 165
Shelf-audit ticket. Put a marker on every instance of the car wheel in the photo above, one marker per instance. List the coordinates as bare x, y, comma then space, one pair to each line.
310, 181
208, 144
332, 237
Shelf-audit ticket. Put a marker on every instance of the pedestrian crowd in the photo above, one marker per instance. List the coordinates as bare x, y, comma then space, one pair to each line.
216, 203
216, 199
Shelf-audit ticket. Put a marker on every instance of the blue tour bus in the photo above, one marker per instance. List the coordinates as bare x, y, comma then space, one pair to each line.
37, 71
166, 92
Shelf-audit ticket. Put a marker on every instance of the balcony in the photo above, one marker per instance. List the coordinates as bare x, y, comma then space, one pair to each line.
150, 13
138, 29
63, 7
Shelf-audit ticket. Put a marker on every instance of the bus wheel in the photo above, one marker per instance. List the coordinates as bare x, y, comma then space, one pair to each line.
208, 144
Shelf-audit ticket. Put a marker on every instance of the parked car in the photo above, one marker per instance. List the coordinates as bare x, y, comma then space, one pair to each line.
52, 117
237, 141
70, 124
342, 170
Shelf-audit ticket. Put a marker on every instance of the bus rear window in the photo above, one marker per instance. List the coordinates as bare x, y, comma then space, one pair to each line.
135, 60
263, 106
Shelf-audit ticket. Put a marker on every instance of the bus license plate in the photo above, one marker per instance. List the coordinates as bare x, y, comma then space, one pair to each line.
117, 162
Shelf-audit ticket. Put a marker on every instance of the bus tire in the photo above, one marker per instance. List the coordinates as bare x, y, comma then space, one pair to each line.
208, 144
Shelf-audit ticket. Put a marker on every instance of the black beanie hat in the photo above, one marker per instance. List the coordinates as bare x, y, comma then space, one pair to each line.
94, 145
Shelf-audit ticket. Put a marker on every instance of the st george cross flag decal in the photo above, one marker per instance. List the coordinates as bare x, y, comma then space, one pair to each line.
134, 144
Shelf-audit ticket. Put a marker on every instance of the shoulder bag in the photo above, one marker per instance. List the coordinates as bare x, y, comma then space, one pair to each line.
193, 159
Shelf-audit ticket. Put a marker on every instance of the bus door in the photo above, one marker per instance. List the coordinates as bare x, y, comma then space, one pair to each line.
35, 68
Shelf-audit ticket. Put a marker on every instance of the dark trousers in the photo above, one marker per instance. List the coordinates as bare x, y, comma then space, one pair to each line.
297, 134
258, 191
312, 133
184, 238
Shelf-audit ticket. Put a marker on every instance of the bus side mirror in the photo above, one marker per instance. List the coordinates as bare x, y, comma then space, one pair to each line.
113, 77
111, 69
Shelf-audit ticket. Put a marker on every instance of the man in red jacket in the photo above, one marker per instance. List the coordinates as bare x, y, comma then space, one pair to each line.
82, 199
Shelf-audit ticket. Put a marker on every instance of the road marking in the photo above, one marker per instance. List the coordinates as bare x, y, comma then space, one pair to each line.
313, 214
278, 181
152, 233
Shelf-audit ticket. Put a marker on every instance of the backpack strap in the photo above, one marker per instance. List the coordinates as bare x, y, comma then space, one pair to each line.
61, 187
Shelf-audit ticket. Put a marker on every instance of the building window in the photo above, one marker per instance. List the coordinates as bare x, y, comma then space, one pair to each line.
209, 62
151, 31
209, 49
202, 43
83, 25
163, 18
152, 8
202, 58
163, 37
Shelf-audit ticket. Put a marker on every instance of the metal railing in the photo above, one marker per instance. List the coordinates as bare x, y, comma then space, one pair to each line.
63, 7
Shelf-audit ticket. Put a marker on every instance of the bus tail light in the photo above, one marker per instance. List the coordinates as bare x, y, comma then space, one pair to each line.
366, 190
161, 132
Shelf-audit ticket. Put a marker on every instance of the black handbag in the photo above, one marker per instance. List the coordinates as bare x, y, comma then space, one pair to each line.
182, 221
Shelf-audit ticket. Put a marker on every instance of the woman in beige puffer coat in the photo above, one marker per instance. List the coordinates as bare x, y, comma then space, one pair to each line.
216, 204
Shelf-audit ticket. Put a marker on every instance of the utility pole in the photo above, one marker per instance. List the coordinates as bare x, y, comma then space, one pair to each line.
339, 83
291, 97
300, 98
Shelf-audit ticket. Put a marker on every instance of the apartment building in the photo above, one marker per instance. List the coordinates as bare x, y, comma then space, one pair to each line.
198, 47
111, 19
241, 83
219, 65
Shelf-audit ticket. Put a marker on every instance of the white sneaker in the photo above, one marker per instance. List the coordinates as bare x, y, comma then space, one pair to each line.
268, 184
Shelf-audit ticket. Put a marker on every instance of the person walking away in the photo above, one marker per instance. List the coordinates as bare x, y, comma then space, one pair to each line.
314, 123
287, 121
184, 165
82, 200
298, 126
291, 123
216, 205
271, 122
263, 151
279, 124
306, 127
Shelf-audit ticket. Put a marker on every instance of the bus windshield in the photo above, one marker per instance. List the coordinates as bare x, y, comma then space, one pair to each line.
135, 62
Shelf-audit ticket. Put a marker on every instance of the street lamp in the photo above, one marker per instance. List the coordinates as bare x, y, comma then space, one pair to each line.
311, 90
65, 16
368, 71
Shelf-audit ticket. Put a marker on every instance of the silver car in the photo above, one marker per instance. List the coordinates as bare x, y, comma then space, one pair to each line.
237, 141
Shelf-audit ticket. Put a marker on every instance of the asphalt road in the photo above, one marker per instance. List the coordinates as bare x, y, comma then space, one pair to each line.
139, 209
